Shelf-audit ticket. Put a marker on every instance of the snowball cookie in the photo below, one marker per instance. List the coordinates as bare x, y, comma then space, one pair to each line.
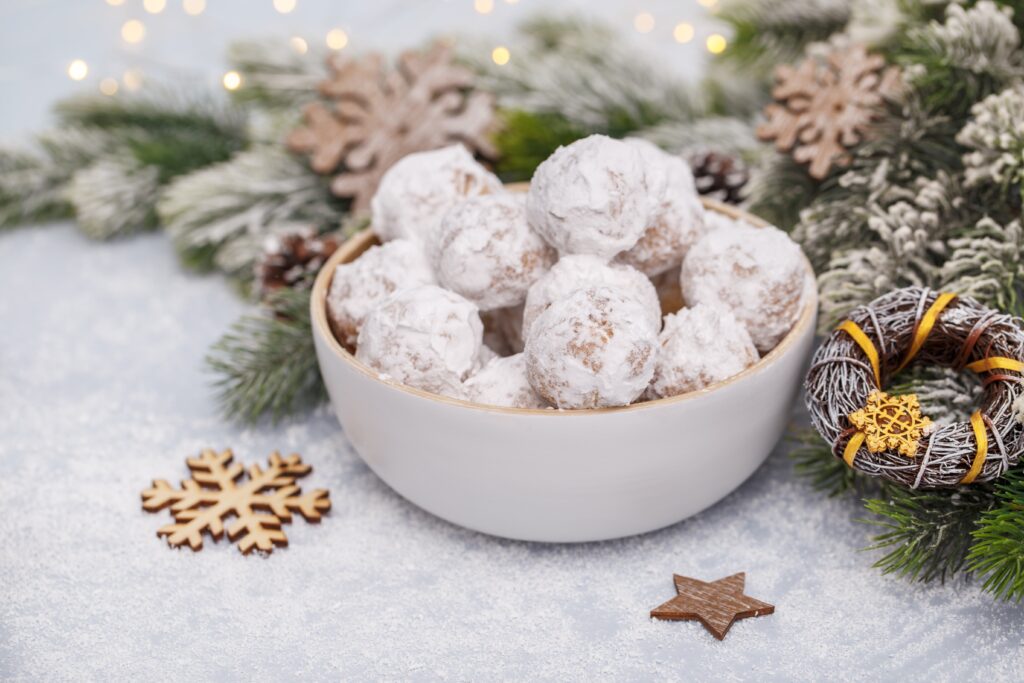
502, 382
416, 192
592, 349
578, 272
757, 273
486, 251
358, 287
425, 337
700, 346
677, 220
591, 197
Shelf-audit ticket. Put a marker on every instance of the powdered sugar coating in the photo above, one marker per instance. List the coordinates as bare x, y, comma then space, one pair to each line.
592, 349
700, 346
416, 192
677, 219
425, 337
503, 382
582, 271
715, 220
591, 197
757, 273
486, 251
357, 287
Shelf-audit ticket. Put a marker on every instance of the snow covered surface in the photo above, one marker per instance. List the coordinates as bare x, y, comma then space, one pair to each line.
102, 389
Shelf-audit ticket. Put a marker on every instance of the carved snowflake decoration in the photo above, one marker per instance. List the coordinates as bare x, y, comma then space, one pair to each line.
214, 493
823, 106
891, 422
373, 116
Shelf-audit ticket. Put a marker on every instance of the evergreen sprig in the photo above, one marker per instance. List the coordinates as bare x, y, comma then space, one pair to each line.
998, 550
927, 533
266, 363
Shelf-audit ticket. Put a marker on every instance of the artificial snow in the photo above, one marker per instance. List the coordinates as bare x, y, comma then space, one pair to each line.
102, 389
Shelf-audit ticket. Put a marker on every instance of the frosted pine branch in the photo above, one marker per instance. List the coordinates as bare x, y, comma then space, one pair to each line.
772, 32
34, 182
981, 39
115, 196
988, 263
995, 136
274, 74
219, 216
719, 133
583, 72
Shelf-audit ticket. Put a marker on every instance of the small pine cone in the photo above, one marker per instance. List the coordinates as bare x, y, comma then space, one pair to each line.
292, 260
719, 175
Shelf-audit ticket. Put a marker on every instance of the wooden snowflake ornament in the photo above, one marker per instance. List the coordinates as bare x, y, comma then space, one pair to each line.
214, 493
373, 116
823, 107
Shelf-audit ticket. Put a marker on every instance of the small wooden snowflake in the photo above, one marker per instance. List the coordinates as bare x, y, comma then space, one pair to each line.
824, 106
891, 422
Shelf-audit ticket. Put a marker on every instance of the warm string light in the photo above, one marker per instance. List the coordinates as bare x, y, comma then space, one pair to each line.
284, 6
77, 70
193, 7
483, 6
299, 45
108, 86
500, 55
337, 39
132, 80
154, 6
133, 31
115, 3
683, 32
232, 80
644, 22
707, 3
716, 43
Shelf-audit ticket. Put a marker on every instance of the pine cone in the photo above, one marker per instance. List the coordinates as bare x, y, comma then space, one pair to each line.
719, 176
292, 260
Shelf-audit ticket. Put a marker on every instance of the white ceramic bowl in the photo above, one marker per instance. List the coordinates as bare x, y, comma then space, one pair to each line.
557, 476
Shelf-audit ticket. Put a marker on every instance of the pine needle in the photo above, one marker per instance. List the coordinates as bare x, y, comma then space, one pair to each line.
927, 533
998, 550
267, 363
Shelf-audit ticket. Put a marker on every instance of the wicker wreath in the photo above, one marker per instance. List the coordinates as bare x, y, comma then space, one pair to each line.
888, 436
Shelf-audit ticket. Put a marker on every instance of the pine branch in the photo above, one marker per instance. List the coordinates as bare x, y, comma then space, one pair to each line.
115, 196
813, 460
266, 364
976, 52
766, 33
779, 189
525, 139
998, 550
34, 182
219, 216
170, 131
274, 75
577, 69
927, 533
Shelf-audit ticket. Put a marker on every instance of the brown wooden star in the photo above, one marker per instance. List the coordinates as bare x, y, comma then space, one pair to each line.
716, 605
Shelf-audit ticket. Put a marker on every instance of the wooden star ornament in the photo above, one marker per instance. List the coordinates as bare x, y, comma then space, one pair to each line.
716, 604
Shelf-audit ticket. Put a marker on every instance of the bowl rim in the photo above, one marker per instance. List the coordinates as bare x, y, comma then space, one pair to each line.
365, 239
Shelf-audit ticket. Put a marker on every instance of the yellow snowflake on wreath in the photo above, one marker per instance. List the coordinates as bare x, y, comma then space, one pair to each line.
891, 422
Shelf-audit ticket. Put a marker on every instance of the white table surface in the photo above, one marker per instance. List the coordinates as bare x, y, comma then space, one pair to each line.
102, 389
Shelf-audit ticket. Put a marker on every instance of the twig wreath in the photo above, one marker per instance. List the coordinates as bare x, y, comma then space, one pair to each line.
887, 436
